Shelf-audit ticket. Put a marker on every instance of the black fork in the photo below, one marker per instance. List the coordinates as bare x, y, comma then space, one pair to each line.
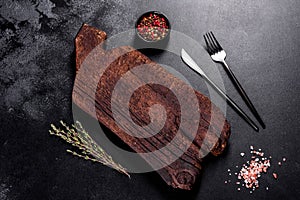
218, 54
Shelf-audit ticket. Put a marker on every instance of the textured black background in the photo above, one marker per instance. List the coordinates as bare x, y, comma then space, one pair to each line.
36, 76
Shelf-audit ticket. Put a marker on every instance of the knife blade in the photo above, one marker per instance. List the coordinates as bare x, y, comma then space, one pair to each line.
193, 65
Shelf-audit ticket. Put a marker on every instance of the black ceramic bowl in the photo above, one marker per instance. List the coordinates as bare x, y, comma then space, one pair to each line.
162, 31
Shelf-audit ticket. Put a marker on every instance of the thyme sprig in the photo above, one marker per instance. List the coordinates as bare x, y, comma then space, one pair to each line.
78, 137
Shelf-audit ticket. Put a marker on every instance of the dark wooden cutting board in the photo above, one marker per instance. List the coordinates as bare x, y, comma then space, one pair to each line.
184, 171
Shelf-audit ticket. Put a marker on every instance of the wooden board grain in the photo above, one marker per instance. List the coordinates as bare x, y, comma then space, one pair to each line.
211, 136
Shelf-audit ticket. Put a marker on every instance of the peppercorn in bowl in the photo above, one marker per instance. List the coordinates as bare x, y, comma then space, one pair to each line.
152, 27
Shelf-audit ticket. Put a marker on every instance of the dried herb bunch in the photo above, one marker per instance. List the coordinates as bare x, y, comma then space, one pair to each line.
90, 150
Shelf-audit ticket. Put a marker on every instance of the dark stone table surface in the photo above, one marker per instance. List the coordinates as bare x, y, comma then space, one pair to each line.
36, 78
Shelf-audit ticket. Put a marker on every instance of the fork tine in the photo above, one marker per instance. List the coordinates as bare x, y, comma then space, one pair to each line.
219, 46
211, 44
216, 49
208, 48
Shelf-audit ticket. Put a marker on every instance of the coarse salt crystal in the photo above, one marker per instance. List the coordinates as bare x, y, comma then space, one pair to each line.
275, 175
251, 171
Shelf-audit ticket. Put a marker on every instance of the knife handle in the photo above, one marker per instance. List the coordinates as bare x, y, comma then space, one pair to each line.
244, 94
232, 104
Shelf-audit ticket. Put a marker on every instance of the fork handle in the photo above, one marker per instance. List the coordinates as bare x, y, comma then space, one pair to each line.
232, 103
244, 95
